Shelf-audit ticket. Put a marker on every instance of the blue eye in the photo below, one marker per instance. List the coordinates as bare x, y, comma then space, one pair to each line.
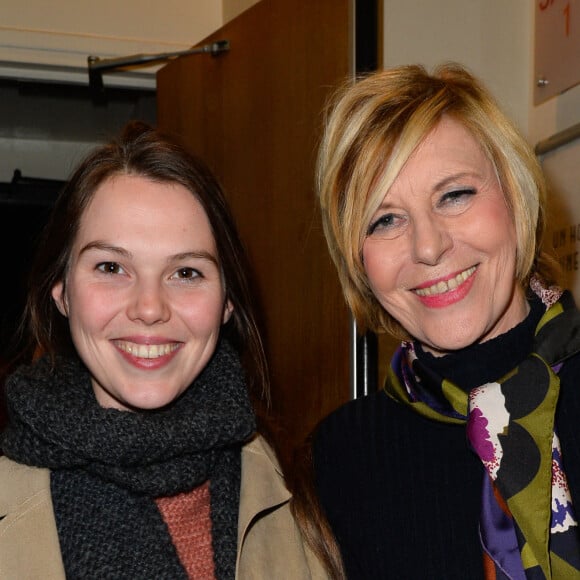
389, 225
384, 221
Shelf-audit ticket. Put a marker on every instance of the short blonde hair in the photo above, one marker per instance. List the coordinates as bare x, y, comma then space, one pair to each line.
372, 127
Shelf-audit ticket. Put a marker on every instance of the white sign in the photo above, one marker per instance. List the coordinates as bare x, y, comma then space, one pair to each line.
557, 47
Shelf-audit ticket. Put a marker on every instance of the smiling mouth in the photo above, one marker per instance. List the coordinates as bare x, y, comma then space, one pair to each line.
146, 350
447, 285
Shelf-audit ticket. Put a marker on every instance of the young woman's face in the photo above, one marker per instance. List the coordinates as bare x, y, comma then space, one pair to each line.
144, 293
440, 253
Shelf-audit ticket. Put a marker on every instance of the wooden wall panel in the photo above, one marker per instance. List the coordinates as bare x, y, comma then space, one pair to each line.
254, 113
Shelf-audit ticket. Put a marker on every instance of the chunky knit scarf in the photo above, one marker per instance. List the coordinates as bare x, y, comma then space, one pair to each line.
107, 466
528, 527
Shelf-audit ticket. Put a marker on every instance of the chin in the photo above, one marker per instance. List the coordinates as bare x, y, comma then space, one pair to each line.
150, 403
442, 347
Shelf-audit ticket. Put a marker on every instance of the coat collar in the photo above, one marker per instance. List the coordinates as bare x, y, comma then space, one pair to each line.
263, 486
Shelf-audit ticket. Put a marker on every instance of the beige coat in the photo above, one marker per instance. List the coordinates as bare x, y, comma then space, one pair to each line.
269, 544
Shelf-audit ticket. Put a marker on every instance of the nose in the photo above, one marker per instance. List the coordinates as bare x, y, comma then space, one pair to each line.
148, 304
431, 240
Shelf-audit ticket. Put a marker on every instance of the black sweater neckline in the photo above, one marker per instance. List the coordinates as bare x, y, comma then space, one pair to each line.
484, 362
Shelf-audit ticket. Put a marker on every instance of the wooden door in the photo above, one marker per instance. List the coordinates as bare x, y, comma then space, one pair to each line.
254, 113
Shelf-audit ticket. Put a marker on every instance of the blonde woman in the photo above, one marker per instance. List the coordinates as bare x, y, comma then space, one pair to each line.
467, 463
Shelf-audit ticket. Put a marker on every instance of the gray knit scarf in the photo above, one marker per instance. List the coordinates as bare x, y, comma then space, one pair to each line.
107, 466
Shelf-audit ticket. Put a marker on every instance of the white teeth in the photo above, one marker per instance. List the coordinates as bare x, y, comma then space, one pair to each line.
146, 350
451, 284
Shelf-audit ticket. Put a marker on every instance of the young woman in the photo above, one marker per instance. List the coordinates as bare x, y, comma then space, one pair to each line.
132, 448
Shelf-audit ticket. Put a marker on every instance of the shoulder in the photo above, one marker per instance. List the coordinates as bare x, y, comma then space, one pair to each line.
270, 544
20, 483
260, 467
262, 486
352, 443
357, 418
29, 545
369, 435
356, 412
258, 450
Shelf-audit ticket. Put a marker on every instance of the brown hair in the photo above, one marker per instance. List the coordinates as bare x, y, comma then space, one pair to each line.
373, 126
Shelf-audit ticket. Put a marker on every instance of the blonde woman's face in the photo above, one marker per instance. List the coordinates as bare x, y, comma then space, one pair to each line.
440, 251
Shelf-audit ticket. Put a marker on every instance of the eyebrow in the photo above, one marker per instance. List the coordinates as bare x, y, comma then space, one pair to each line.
102, 246
461, 175
442, 184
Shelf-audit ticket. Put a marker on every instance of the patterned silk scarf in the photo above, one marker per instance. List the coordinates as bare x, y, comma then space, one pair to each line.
528, 527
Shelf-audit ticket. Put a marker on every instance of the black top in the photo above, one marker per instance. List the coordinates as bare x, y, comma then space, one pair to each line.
402, 492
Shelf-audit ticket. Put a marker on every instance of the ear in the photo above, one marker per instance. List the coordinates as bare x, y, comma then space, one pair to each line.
59, 298
228, 309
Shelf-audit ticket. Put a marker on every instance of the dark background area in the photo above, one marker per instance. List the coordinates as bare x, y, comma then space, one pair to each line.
24, 207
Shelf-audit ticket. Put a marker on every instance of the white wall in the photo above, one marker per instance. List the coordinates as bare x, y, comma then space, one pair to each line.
494, 39
44, 136
60, 35
52, 40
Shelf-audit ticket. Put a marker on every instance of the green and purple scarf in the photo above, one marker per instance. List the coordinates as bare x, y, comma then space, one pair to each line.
528, 527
